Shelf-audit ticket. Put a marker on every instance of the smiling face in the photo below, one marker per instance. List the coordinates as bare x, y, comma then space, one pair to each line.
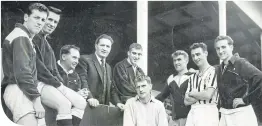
134, 55
35, 21
103, 47
224, 50
199, 56
180, 63
143, 89
71, 59
51, 22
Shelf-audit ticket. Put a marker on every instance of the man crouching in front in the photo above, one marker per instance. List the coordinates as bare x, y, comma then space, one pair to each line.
144, 109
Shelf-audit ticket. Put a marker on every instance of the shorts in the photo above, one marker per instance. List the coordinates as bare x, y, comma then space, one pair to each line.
17, 101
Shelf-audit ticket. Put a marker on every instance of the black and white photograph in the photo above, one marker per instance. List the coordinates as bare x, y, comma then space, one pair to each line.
204, 58
131, 63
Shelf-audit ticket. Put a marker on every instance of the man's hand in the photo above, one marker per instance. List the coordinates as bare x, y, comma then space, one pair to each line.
121, 106
83, 92
237, 102
61, 87
39, 109
93, 102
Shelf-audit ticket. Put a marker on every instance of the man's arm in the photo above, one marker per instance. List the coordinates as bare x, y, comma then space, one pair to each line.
164, 93
82, 69
162, 116
119, 79
254, 76
129, 115
50, 77
203, 95
22, 52
189, 100
44, 75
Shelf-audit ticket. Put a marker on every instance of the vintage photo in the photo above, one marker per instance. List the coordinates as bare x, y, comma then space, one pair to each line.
59, 56
85, 63
193, 46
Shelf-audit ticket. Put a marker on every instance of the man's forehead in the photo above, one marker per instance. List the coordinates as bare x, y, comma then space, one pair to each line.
197, 50
140, 83
136, 50
179, 57
53, 15
36, 12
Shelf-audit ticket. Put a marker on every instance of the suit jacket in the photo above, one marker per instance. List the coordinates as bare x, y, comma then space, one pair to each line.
91, 76
124, 80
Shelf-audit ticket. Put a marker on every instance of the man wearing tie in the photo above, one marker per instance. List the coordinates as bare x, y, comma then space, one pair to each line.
96, 74
125, 71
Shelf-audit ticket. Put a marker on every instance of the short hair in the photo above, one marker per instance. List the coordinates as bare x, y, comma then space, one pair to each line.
54, 10
201, 45
135, 45
66, 49
36, 6
180, 52
105, 36
225, 37
141, 78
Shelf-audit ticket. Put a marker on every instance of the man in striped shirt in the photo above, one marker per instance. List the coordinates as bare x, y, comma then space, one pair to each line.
201, 93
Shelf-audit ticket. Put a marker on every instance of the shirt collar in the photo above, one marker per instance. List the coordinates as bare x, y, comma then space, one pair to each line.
99, 59
129, 62
233, 58
152, 98
43, 34
19, 25
67, 72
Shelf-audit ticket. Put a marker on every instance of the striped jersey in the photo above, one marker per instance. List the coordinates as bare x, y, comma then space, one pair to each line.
200, 82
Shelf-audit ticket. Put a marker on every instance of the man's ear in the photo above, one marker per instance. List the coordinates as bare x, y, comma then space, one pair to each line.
63, 57
25, 17
232, 47
206, 52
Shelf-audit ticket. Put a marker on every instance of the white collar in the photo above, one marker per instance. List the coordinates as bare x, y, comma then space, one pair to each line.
99, 59
67, 72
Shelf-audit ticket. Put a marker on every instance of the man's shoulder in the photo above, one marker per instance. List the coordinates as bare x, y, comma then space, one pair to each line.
16, 33
86, 57
159, 103
131, 100
121, 63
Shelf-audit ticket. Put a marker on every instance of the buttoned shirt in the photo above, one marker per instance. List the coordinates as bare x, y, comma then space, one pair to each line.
144, 114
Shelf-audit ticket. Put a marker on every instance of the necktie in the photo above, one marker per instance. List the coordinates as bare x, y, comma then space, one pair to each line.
104, 79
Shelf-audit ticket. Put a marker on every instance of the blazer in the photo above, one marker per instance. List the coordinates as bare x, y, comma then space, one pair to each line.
91, 76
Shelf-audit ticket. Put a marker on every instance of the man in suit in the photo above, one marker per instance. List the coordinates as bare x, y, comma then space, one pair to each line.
96, 74
125, 71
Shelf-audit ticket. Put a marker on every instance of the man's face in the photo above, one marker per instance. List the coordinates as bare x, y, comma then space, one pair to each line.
103, 47
51, 22
223, 49
35, 21
199, 56
180, 63
134, 55
143, 89
71, 59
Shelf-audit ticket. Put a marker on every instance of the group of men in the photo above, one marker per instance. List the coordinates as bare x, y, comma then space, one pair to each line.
199, 96
33, 78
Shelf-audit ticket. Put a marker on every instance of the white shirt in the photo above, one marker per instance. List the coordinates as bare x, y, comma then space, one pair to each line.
99, 59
